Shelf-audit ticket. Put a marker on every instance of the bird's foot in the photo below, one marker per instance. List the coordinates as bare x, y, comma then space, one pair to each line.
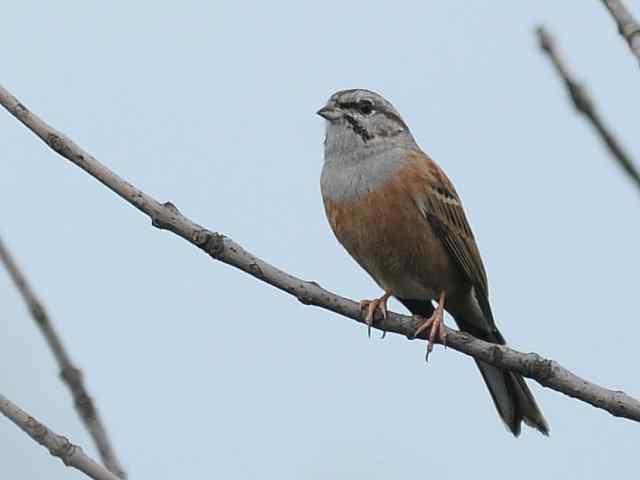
369, 308
435, 324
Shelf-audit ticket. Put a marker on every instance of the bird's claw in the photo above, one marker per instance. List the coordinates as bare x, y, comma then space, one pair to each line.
370, 307
437, 330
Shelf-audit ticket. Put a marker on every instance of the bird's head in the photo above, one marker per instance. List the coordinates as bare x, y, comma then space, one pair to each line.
361, 117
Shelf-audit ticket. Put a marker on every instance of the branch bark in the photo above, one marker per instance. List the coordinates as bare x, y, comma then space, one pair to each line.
627, 26
69, 373
166, 216
584, 104
58, 446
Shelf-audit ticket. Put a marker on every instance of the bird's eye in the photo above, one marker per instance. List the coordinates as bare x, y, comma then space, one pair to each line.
365, 107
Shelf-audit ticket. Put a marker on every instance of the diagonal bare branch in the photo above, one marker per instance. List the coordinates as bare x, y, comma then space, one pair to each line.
627, 26
584, 104
70, 375
58, 446
166, 216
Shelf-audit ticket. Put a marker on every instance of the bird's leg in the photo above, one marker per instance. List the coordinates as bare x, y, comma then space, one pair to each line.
436, 325
370, 307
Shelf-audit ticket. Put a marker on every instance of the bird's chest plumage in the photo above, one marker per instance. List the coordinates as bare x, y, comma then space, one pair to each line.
385, 232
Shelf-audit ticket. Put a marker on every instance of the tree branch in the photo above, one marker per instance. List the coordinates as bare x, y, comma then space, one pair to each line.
584, 104
69, 373
167, 217
59, 446
627, 26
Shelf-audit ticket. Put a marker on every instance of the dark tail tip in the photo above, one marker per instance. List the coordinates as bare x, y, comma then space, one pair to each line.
513, 399
526, 408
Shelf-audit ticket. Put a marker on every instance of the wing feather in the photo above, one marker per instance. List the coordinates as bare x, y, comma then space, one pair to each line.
443, 209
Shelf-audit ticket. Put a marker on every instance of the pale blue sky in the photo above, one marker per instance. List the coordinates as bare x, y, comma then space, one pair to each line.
199, 370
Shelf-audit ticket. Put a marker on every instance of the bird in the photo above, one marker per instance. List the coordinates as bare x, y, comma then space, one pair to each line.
399, 216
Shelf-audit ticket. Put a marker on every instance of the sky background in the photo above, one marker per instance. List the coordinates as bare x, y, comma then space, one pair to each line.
201, 371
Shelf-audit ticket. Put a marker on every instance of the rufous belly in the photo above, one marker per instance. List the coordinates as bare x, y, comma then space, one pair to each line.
390, 238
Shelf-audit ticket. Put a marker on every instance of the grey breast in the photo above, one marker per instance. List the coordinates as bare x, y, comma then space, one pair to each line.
347, 176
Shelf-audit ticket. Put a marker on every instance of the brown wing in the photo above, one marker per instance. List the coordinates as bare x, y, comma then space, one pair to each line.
442, 207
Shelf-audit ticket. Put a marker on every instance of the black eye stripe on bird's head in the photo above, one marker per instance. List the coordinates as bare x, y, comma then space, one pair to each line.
394, 117
358, 107
363, 107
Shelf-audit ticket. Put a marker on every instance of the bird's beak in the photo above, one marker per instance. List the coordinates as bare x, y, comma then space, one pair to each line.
329, 112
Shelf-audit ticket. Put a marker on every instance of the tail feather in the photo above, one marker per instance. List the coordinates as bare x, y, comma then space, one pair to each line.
511, 395
509, 391
512, 399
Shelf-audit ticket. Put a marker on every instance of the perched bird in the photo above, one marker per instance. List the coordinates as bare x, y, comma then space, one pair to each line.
398, 215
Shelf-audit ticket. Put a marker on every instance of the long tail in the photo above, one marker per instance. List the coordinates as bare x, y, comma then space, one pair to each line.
511, 395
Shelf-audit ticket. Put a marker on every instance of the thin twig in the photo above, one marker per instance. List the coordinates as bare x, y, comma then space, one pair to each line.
627, 26
58, 446
584, 104
167, 217
70, 374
